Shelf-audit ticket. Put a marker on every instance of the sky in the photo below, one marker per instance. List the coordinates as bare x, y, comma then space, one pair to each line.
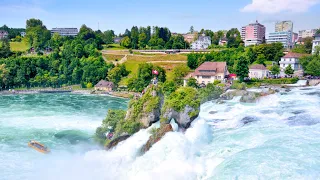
177, 15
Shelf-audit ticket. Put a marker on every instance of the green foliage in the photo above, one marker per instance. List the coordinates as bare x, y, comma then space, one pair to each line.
144, 77
182, 97
5, 48
234, 38
209, 93
129, 127
242, 69
111, 121
275, 69
273, 81
192, 82
37, 34
108, 37
179, 72
89, 85
238, 86
216, 82
126, 42
289, 70
261, 59
118, 72
169, 87
313, 67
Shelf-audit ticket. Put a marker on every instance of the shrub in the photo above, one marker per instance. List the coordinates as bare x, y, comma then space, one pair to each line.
239, 86
209, 93
216, 82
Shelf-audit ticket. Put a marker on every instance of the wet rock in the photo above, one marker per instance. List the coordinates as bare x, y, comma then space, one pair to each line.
213, 112
116, 141
184, 118
298, 112
302, 120
157, 136
248, 119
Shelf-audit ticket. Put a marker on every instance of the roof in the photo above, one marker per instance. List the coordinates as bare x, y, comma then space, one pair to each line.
202, 38
293, 55
104, 83
258, 66
210, 68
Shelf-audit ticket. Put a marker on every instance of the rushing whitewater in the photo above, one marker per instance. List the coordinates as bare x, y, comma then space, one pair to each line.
276, 138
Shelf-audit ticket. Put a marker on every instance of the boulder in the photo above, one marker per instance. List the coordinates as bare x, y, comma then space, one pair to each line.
184, 118
157, 136
116, 141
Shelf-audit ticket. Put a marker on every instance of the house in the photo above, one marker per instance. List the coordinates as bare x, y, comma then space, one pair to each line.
203, 42
293, 60
316, 42
73, 32
104, 86
208, 72
258, 71
23, 34
3, 34
117, 40
189, 37
223, 41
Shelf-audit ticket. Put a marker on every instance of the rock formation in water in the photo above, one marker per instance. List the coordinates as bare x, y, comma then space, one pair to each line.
246, 96
116, 141
156, 136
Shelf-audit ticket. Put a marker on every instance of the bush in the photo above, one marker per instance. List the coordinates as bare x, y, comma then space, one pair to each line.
275, 81
89, 85
169, 87
216, 82
238, 86
209, 93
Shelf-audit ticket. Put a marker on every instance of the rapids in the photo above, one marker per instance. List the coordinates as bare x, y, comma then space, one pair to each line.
276, 138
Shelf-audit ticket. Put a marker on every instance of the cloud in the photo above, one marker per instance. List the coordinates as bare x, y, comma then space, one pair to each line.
276, 6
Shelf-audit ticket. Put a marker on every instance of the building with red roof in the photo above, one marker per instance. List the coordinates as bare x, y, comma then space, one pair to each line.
208, 72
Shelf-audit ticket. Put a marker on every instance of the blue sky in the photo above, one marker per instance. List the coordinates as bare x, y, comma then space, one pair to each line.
178, 15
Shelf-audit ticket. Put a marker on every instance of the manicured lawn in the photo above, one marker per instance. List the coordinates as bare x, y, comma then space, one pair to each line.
113, 47
18, 46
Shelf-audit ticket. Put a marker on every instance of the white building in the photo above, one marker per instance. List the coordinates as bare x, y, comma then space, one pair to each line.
65, 31
293, 60
316, 42
284, 37
307, 33
3, 34
23, 34
208, 72
203, 42
258, 71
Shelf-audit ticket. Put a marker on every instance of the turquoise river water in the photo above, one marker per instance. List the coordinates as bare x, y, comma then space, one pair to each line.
276, 138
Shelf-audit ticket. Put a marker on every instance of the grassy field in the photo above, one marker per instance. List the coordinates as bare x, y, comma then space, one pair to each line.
113, 47
18, 46
113, 57
158, 57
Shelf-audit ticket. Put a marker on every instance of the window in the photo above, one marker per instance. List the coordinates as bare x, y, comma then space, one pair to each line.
206, 77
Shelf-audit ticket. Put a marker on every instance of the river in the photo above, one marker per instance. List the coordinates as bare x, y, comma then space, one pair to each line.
276, 138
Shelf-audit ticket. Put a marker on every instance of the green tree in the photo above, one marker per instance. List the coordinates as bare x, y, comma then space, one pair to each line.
134, 37
125, 42
251, 55
179, 72
115, 74
261, 59
308, 44
313, 67
169, 87
108, 36
4, 48
142, 40
275, 69
234, 38
191, 30
318, 31
192, 82
3, 75
289, 70
242, 69
37, 34
192, 61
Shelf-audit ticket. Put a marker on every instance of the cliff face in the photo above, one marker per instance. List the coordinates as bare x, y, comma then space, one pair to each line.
156, 136
183, 118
